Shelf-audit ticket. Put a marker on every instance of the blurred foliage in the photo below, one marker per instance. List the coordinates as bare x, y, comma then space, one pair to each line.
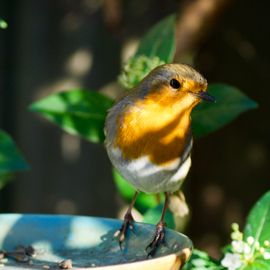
136, 69
152, 216
248, 251
78, 112
11, 159
3, 24
143, 201
202, 261
230, 102
258, 221
153, 45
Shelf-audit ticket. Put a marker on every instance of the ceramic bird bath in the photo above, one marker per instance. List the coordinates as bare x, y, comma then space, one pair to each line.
88, 242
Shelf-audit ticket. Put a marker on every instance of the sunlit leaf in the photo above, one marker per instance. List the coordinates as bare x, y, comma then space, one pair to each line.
78, 112
125, 189
230, 103
11, 160
153, 215
258, 264
3, 24
258, 221
200, 260
159, 40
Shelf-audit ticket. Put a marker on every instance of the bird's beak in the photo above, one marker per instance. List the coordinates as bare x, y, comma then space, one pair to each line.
205, 96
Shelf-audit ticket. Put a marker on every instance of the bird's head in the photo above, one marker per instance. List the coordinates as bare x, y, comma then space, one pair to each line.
175, 84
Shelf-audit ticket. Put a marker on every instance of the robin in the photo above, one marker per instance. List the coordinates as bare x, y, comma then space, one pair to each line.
149, 139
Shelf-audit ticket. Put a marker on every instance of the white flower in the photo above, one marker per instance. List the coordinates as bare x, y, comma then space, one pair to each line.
238, 246
235, 227
266, 255
250, 240
236, 235
257, 245
231, 261
247, 249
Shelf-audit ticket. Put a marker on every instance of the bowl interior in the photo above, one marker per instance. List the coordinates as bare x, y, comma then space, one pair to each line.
87, 241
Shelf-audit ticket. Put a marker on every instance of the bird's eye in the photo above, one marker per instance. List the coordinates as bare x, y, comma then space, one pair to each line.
175, 84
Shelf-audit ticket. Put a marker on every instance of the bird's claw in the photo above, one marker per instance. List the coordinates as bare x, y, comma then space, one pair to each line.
121, 233
157, 240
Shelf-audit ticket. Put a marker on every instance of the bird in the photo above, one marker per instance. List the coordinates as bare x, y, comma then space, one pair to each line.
148, 136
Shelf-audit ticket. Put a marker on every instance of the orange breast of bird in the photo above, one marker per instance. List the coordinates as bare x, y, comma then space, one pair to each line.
157, 127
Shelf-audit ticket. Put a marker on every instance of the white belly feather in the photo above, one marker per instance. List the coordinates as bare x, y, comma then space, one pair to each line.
148, 177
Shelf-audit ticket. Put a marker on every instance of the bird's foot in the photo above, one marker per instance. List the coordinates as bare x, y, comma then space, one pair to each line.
157, 240
127, 224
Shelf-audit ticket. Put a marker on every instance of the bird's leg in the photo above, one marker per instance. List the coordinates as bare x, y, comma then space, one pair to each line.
160, 230
127, 223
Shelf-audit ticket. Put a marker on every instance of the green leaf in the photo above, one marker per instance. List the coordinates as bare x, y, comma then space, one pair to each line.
153, 215
127, 191
159, 41
208, 117
145, 201
5, 179
258, 221
78, 112
200, 260
3, 24
258, 264
11, 159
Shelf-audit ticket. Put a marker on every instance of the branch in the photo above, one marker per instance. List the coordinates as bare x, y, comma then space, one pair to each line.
196, 19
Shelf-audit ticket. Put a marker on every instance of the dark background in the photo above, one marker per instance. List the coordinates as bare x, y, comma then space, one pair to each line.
56, 45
